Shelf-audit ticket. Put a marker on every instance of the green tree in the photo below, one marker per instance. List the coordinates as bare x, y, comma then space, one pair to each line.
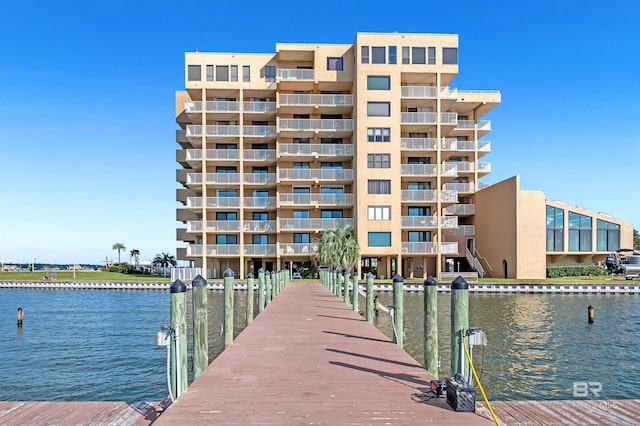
135, 255
119, 247
338, 249
164, 260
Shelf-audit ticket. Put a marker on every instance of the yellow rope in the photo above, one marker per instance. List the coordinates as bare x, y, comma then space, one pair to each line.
475, 375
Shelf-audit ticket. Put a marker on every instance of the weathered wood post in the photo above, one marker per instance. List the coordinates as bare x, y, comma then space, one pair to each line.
340, 282
398, 308
267, 288
370, 297
200, 325
355, 293
261, 281
431, 325
345, 296
331, 282
228, 307
275, 279
459, 325
249, 298
178, 317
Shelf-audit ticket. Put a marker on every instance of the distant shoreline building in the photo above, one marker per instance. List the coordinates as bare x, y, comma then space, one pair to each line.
276, 148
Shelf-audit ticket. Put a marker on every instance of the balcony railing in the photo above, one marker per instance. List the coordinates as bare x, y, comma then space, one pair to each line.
418, 170
263, 131
259, 154
430, 248
295, 74
223, 178
460, 187
467, 230
305, 149
259, 226
428, 118
419, 92
223, 154
298, 248
254, 106
211, 202
484, 124
419, 221
259, 178
223, 250
315, 124
260, 249
460, 209
213, 225
316, 174
194, 250
223, 106
466, 124
309, 224
260, 202
319, 199
194, 130
418, 144
309, 99
428, 195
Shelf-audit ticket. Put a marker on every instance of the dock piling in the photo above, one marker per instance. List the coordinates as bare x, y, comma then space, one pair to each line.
431, 326
398, 304
459, 326
178, 316
200, 325
370, 308
346, 287
249, 298
261, 280
228, 307
355, 293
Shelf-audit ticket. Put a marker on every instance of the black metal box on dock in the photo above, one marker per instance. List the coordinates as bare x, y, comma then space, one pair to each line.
461, 396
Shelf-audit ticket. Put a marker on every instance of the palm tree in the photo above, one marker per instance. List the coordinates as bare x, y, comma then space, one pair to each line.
135, 254
120, 247
164, 260
338, 249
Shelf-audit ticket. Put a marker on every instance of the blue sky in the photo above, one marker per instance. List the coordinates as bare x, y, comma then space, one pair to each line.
87, 123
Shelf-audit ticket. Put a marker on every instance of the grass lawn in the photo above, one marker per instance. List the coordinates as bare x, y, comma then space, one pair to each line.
80, 276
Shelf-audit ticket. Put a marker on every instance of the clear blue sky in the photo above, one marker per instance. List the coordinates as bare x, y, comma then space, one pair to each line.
87, 123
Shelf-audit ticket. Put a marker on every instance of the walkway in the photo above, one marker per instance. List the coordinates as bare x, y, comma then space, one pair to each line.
310, 359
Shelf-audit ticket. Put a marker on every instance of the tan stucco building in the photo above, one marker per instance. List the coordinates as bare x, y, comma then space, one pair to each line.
276, 148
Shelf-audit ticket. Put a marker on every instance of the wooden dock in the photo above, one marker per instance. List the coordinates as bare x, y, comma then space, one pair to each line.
310, 359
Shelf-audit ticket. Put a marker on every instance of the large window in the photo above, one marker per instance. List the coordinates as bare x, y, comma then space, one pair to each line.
579, 232
379, 134
378, 186
379, 239
378, 55
378, 82
379, 212
418, 55
259, 239
379, 161
193, 73
270, 73
555, 229
331, 214
378, 109
419, 236
364, 54
450, 55
608, 236
334, 64
222, 73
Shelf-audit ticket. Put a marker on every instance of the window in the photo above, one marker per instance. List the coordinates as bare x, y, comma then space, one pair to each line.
364, 54
209, 72
378, 82
226, 239
270, 73
301, 165
331, 165
379, 134
555, 229
419, 211
379, 239
334, 64
260, 216
331, 214
378, 109
234, 73
222, 73
579, 232
246, 73
405, 54
226, 169
431, 52
332, 141
301, 214
608, 236
418, 55
450, 55
226, 193
260, 239
379, 161
378, 186
193, 73
378, 55
379, 213
393, 54
226, 216
301, 238
419, 236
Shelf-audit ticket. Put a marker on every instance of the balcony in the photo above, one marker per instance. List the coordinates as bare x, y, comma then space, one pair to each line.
259, 131
460, 209
223, 250
259, 107
310, 175
428, 196
259, 154
298, 248
418, 92
212, 106
429, 221
259, 178
316, 200
259, 226
213, 226
466, 230
260, 249
315, 101
469, 166
429, 248
213, 202
223, 178
418, 144
315, 150
428, 118
283, 74
315, 124
461, 187
484, 125
313, 224
196, 130
430, 170
219, 154
259, 203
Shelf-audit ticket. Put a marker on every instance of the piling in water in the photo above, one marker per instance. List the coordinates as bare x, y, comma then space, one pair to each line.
398, 306
431, 326
459, 326
200, 326
178, 316
370, 303
249, 298
591, 313
355, 294
228, 307
346, 287
261, 281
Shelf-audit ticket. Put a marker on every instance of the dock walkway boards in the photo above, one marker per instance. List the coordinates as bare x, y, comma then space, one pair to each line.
310, 359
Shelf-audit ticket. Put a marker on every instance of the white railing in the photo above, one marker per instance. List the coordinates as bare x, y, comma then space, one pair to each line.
226, 178
223, 250
193, 106
194, 178
484, 146
264, 131
460, 187
259, 225
318, 124
484, 124
259, 154
419, 91
418, 195
319, 199
223, 106
223, 225
459, 209
418, 144
194, 250
449, 169
259, 178
448, 117
309, 99
419, 117
449, 93
449, 221
475, 263
254, 106
418, 170
223, 154
448, 195
484, 167
195, 226
298, 248
424, 248
461, 166
260, 249
193, 154
315, 149
482, 185
470, 92
295, 74
320, 174
197, 202
448, 248
419, 221
467, 230
319, 224
466, 124
260, 202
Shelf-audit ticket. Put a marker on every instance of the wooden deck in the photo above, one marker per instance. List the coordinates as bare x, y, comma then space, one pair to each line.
310, 359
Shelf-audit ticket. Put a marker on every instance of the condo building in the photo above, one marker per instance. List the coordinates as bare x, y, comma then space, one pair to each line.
277, 148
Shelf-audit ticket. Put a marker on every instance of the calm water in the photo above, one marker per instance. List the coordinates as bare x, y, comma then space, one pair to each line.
100, 345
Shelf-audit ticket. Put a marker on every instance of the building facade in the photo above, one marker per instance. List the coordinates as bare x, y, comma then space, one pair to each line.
276, 148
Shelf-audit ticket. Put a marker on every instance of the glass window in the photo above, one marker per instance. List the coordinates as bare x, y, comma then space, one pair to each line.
246, 73
301, 214
393, 54
270, 73
259, 239
234, 73
379, 239
226, 216
331, 214
431, 52
379, 213
555, 229
378, 186
379, 161
450, 55
378, 82
608, 236
226, 239
419, 236
418, 55
378, 55
378, 109
405, 54
364, 54
193, 73
222, 73
334, 64
260, 216
209, 72
379, 134
579, 232
301, 238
